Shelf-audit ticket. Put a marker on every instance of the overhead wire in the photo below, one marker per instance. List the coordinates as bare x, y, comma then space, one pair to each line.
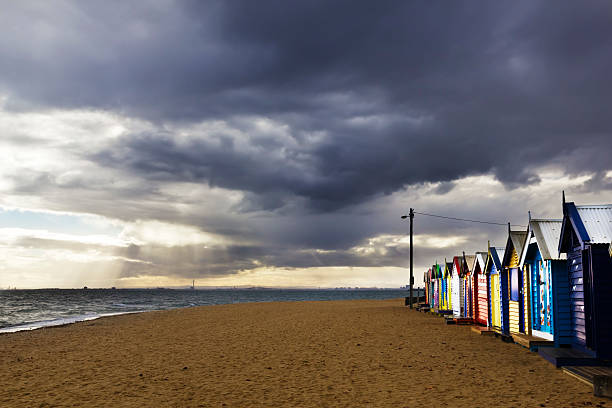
466, 220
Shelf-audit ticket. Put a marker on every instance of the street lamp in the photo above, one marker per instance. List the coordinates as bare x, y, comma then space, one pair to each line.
411, 215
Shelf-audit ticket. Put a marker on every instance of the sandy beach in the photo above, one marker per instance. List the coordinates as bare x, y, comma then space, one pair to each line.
299, 354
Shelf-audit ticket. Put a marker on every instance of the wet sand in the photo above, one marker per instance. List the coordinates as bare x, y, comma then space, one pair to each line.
299, 354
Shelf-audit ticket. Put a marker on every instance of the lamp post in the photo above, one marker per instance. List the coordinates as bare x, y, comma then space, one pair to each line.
411, 216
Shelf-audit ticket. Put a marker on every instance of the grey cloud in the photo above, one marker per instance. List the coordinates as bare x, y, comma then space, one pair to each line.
492, 75
399, 93
599, 182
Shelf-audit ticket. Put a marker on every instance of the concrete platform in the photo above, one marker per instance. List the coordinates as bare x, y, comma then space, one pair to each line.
566, 357
599, 377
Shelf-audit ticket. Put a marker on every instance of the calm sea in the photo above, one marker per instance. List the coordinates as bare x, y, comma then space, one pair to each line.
32, 309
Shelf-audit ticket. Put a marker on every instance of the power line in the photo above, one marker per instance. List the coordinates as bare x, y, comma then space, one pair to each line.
465, 219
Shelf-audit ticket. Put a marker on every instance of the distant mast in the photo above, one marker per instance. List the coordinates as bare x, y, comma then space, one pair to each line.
193, 285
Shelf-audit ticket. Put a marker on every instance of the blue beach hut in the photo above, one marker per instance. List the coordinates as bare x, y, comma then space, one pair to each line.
586, 237
546, 273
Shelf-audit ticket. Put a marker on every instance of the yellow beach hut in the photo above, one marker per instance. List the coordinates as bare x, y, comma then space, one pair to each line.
516, 296
492, 270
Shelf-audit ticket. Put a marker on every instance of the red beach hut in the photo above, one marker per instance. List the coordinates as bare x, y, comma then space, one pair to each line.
481, 298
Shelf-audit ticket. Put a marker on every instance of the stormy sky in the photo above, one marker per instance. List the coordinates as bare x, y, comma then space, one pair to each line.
149, 143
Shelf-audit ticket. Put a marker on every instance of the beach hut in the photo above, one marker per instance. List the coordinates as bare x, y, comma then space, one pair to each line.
430, 288
513, 284
469, 287
427, 284
443, 298
433, 284
493, 271
434, 292
548, 292
456, 292
448, 275
442, 286
586, 236
481, 297
437, 286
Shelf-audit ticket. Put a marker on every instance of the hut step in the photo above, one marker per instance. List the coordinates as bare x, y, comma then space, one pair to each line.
565, 357
531, 342
483, 331
599, 377
463, 320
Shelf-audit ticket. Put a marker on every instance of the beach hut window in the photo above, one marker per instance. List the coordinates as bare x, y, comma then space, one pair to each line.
514, 284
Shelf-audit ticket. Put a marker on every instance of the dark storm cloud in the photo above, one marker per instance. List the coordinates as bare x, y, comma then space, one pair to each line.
505, 87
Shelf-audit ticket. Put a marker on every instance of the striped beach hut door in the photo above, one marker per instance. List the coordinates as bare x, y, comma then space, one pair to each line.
515, 302
483, 299
467, 296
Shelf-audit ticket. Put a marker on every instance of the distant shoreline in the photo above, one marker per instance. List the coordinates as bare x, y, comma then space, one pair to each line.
71, 307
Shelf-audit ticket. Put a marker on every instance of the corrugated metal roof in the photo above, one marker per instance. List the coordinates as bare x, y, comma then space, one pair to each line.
547, 234
597, 220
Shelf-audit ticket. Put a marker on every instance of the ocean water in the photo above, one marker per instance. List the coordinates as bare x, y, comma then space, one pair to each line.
33, 309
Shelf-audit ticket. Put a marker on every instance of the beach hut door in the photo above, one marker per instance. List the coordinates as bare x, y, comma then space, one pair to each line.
544, 304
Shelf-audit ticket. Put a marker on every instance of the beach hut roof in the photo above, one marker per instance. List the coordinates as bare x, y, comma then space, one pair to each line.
592, 223
449, 269
469, 263
516, 240
546, 234
435, 271
480, 259
457, 264
493, 258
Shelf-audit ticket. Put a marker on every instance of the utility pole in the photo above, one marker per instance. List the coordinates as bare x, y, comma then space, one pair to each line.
411, 215
411, 274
